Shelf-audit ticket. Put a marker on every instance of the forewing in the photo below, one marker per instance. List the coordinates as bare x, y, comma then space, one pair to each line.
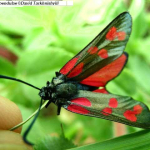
116, 108
106, 47
107, 73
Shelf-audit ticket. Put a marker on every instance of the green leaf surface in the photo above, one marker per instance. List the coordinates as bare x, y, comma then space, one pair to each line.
136, 141
54, 143
38, 39
36, 62
141, 72
23, 19
6, 67
124, 84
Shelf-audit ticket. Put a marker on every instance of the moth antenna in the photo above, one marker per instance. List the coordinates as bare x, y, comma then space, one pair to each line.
31, 125
18, 80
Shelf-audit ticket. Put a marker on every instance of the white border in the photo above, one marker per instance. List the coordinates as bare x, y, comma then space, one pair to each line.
35, 3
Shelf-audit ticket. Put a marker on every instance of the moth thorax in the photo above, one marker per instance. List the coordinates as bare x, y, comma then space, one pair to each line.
66, 90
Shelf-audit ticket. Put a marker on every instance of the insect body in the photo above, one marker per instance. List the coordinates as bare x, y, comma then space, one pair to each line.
80, 86
60, 91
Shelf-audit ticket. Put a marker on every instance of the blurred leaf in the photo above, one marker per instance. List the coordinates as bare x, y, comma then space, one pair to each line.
142, 48
4, 39
138, 140
38, 39
23, 19
37, 62
7, 68
54, 143
124, 84
141, 72
139, 26
136, 7
50, 123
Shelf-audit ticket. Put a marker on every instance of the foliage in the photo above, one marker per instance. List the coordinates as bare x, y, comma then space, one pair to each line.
50, 143
43, 39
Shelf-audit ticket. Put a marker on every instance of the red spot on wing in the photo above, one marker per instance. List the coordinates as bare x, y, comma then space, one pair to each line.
131, 114
68, 66
107, 73
121, 35
113, 103
76, 71
137, 109
103, 53
101, 91
77, 109
92, 50
82, 101
111, 35
106, 111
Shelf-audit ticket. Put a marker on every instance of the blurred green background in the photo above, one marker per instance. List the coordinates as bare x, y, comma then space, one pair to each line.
37, 41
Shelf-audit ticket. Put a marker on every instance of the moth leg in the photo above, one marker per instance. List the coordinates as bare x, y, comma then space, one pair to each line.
58, 109
48, 104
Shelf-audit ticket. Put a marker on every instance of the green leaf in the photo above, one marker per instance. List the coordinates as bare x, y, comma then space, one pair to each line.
139, 19
39, 61
7, 68
22, 20
136, 141
54, 143
37, 39
136, 8
141, 71
142, 48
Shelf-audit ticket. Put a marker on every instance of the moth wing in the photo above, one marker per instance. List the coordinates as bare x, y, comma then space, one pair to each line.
105, 48
107, 73
116, 108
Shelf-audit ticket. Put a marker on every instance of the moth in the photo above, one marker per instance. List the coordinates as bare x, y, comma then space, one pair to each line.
79, 86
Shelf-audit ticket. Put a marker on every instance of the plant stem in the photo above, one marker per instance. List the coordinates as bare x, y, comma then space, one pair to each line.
23, 122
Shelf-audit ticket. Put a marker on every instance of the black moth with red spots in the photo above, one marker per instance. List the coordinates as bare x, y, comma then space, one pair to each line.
80, 85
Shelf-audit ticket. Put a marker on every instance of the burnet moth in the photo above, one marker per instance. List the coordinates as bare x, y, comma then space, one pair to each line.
79, 86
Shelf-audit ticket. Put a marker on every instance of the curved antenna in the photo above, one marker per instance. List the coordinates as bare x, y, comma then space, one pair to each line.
30, 126
18, 80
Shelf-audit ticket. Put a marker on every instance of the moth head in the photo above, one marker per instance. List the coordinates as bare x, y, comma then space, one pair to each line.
45, 92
